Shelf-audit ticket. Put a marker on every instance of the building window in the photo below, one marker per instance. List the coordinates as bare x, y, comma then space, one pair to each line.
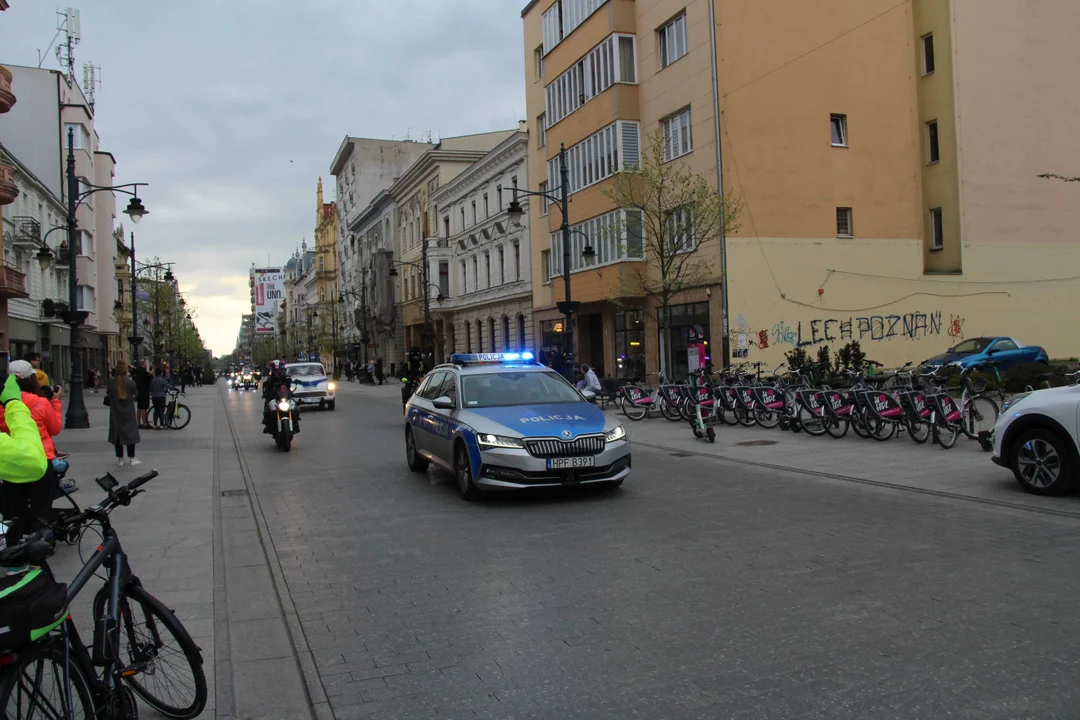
630, 345
473, 212
541, 130
545, 261
487, 268
544, 201
446, 225
933, 149
538, 56
928, 53
564, 17
614, 60
464, 279
468, 337
475, 273
692, 316
599, 156
681, 230
672, 40
502, 265
491, 334
498, 197
839, 129
444, 279
82, 136
937, 229
462, 218
487, 208
614, 236
521, 332
551, 336
677, 135
517, 260
479, 336
506, 333
84, 298
844, 226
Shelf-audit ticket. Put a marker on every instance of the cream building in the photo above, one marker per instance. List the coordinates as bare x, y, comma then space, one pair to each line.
886, 155
481, 259
416, 232
368, 286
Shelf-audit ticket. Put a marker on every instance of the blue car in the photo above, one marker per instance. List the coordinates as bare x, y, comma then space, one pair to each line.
1003, 351
500, 421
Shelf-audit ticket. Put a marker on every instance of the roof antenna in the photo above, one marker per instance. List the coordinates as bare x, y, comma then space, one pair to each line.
68, 24
91, 74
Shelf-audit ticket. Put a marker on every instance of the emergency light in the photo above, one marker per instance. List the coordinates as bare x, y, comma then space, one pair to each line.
524, 357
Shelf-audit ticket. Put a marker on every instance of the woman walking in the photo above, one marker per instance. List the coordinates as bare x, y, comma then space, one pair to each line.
123, 425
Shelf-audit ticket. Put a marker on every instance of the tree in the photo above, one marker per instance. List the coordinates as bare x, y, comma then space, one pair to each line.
681, 214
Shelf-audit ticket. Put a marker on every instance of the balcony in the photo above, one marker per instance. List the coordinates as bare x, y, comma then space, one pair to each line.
27, 231
7, 98
12, 283
8, 189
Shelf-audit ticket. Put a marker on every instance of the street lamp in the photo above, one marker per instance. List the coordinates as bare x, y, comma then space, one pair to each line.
567, 306
135, 339
77, 417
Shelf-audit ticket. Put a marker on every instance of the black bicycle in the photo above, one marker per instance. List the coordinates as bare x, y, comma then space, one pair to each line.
139, 645
177, 414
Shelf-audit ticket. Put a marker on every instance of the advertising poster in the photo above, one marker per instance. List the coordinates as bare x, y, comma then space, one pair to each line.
269, 292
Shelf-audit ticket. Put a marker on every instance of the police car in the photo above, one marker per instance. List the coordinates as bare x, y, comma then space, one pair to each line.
310, 384
500, 421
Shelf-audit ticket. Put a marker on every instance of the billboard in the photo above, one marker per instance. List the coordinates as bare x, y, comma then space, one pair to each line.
269, 292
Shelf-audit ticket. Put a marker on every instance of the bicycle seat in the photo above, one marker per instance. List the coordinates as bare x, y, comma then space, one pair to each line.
32, 549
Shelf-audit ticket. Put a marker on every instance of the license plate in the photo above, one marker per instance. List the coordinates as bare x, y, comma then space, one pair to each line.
570, 462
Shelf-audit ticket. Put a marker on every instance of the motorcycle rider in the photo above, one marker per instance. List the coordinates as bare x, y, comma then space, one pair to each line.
412, 372
277, 382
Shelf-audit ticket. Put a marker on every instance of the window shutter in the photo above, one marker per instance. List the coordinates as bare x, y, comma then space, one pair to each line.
631, 146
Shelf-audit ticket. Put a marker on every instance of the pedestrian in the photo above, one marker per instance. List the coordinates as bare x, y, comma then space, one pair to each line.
379, 370
45, 408
557, 362
35, 361
591, 381
22, 465
142, 384
159, 390
123, 425
349, 371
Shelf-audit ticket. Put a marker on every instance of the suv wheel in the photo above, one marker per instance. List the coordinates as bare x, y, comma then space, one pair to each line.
416, 462
1042, 463
463, 474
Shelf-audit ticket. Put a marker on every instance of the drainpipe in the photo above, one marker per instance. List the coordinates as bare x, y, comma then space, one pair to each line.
725, 342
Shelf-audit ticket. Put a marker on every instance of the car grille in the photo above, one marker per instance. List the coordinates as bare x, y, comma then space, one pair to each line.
554, 448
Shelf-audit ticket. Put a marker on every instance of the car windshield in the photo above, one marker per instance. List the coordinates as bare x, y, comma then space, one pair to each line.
314, 370
499, 389
973, 345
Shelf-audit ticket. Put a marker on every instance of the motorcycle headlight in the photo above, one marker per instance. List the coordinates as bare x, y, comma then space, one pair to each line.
499, 441
331, 387
283, 406
1011, 402
615, 433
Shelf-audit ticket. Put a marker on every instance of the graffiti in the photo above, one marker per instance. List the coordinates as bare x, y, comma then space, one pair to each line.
912, 326
956, 326
762, 339
781, 334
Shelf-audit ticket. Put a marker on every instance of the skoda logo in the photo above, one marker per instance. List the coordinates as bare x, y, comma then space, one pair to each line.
566, 434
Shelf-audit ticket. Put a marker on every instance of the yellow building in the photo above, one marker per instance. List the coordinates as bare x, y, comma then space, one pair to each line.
886, 155
330, 318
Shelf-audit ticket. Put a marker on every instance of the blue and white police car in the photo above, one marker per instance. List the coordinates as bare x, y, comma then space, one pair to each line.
501, 421
310, 384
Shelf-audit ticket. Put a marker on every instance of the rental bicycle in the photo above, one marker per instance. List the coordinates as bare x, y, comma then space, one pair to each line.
139, 646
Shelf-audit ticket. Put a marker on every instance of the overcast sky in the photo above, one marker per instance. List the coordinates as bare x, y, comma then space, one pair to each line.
232, 109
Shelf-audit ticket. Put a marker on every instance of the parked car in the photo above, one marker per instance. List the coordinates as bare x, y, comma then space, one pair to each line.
1004, 351
1037, 437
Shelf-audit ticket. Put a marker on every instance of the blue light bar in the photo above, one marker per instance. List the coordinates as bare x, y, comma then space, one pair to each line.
491, 358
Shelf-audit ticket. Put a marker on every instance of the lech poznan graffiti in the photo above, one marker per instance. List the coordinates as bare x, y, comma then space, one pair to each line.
910, 326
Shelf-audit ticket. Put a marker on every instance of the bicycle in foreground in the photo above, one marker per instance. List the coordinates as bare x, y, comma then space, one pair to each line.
139, 646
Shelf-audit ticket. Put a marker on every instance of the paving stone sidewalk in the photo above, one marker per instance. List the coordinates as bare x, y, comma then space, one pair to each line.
167, 533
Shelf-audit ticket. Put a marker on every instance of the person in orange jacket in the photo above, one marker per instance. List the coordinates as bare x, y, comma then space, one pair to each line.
23, 465
46, 411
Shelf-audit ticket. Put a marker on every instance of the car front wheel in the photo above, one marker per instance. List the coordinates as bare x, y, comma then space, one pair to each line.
463, 473
416, 462
1042, 463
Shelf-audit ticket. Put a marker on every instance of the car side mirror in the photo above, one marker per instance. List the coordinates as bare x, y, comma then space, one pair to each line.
589, 396
443, 403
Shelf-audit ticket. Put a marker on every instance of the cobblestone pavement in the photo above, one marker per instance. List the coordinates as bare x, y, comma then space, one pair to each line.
701, 589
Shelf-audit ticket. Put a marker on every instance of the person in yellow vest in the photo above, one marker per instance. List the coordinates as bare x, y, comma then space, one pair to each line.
35, 359
23, 495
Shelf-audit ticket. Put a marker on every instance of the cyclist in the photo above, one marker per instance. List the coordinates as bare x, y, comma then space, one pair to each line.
22, 465
413, 372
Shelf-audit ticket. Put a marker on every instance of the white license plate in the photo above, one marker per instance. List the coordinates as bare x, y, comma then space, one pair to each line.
570, 462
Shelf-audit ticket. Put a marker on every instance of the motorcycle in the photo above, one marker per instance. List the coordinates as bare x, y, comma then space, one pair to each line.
409, 388
285, 425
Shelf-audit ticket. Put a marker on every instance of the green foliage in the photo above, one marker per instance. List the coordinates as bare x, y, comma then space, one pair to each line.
824, 358
850, 357
796, 358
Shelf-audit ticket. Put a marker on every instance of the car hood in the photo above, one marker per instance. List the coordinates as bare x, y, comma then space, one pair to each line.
309, 381
547, 420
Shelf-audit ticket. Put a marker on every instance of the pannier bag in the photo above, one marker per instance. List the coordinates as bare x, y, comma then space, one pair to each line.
31, 605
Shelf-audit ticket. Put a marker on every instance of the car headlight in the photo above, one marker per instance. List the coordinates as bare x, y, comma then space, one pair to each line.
283, 406
1011, 402
331, 387
499, 441
616, 433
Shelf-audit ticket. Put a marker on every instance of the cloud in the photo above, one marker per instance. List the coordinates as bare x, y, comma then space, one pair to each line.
232, 110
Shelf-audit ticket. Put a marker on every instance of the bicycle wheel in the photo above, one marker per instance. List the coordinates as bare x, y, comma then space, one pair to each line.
944, 433
811, 423
164, 662
837, 427
179, 417
671, 412
979, 416
33, 687
745, 417
634, 412
919, 431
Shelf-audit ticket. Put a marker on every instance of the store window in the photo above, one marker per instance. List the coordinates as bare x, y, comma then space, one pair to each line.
630, 345
551, 338
683, 319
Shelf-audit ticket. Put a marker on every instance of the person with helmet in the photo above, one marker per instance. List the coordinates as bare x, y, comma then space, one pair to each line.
276, 381
23, 465
412, 373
